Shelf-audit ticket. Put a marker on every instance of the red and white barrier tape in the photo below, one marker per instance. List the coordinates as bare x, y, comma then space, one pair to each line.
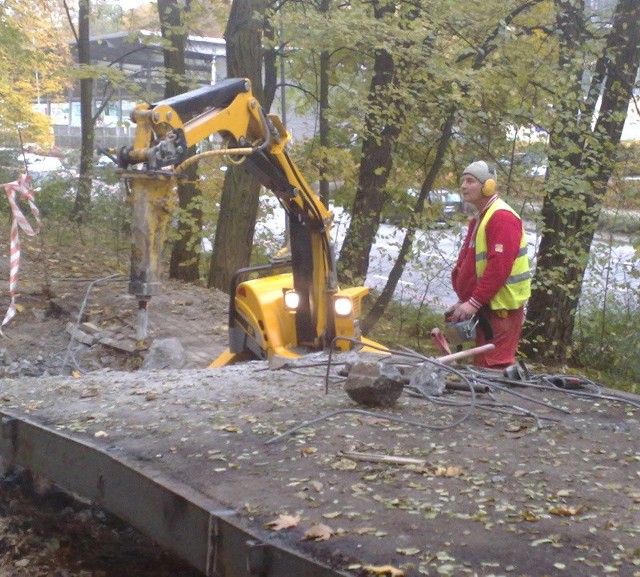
19, 188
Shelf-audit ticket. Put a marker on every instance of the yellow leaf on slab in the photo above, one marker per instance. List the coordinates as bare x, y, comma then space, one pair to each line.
515, 428
319, 532
367, 420
344, 465
384, 570
448, 471
365, 531
566, 511
228, 428
332, 515
284, 522
408, 551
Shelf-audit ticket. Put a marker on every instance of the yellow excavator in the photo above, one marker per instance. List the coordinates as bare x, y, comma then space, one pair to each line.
287, 308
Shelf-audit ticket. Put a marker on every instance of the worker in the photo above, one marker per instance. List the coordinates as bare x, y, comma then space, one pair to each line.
491, 277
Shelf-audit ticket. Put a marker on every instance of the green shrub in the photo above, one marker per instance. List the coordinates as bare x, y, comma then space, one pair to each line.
628, 160
606, 341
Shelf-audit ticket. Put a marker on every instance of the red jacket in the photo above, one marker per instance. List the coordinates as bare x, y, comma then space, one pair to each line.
504, 231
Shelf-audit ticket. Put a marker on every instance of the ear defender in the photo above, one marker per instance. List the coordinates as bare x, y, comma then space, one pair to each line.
489, 186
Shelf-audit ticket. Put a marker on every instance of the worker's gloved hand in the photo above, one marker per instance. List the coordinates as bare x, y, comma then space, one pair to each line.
463, 312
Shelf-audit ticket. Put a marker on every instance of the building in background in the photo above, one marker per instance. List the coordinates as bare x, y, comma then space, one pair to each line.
137, 59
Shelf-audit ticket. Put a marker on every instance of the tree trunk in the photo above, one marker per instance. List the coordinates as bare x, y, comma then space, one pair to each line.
478, 61
324, 128
240, 194
184, 263
83, 195
375, 165
270, 57
578, 180
386, 295
185, 256
171, 14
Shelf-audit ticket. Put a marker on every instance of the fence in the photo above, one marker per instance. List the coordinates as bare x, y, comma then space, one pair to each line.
105, 136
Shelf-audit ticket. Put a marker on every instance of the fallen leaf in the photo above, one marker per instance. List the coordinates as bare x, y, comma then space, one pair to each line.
366, 420
566, 511
448, 471
318, 532
515, 428
332, 515
344, 465
408, 551
530, 516
551, 540
383, 570
228, 428
365, 531
284, 522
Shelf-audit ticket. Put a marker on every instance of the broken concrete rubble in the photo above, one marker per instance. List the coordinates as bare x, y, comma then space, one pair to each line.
428, 380
165, 354
374, 384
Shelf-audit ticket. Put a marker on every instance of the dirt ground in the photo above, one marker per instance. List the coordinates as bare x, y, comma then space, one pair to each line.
500, 493
44, 533
102, 317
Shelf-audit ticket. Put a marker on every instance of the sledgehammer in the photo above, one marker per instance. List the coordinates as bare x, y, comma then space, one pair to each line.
466, 353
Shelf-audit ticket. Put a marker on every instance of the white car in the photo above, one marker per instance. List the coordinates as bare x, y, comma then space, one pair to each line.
527, 163
43, 167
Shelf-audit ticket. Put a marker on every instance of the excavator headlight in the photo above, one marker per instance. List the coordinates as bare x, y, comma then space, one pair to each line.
343, 306
291, 299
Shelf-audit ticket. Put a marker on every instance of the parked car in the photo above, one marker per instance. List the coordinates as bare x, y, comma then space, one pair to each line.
42, 167
526, 163
441, 206
446, 204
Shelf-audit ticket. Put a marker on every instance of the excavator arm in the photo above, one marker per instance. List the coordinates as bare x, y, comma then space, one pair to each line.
285, 309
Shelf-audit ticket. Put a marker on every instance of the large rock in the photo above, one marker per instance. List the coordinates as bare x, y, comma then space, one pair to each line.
165, 354
374, 384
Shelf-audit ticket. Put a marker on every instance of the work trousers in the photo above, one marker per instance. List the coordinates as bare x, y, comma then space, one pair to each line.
507, 329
